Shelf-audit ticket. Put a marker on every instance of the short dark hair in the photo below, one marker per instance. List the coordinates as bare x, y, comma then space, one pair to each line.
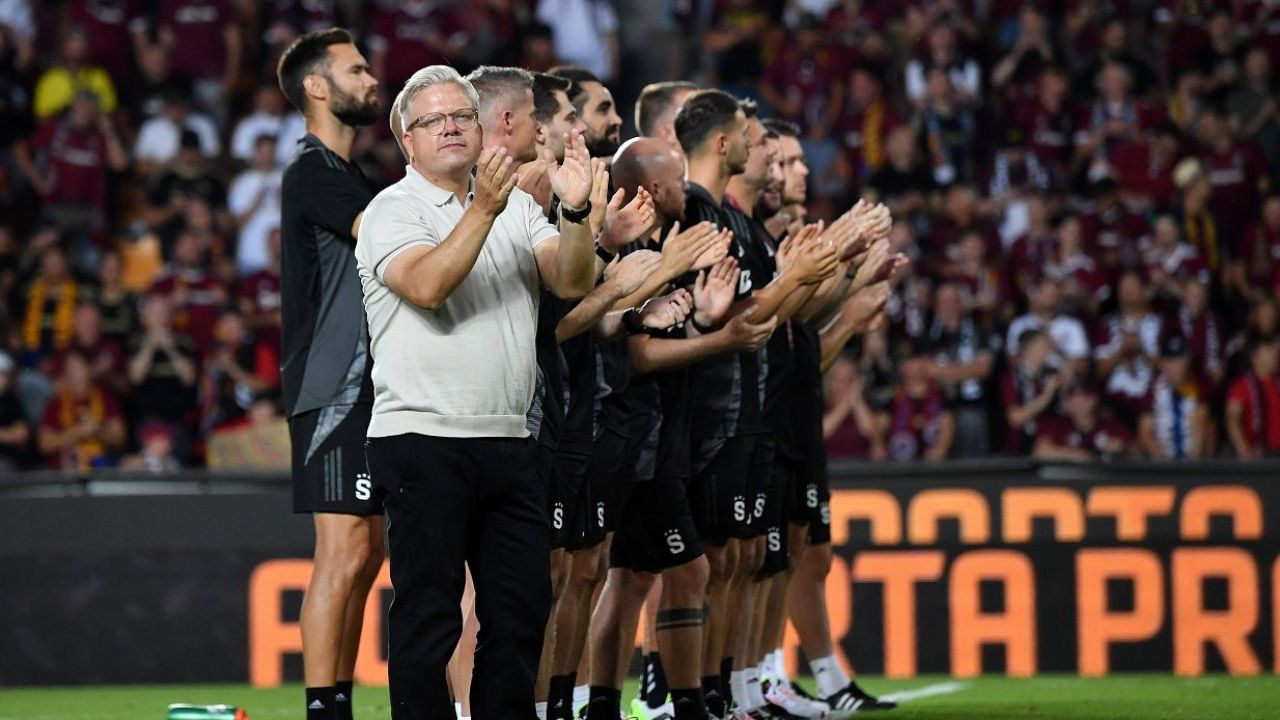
1028, 336
496, 84
307, 55
577, 76
545, 87
703, 113
782, 128
655, 102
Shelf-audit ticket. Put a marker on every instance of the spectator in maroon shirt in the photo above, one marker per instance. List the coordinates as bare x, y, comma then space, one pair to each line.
195, 294
285, 20
106, 357
1261, 18
1112, 234
1200, 326
240, 372
980, 282
919, 423
67, 163
1168, 263
857, 31
1114, 120
1126, 344
204, 39
802, 83
1084, 283
1028, 390
864, 127
960, 217
82, 426
1032, 52
1235, 169
1259, 254
408, 35
1033, 250
1081, 433
1046, 121
849, 424
1253, 403
1144, 170
115, 30
259, 297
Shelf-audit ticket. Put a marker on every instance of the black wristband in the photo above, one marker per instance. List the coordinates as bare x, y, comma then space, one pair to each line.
604, 255
631, 322
702, 329
575, 216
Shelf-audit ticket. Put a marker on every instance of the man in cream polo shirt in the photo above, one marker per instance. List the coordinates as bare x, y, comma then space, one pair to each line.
450, 265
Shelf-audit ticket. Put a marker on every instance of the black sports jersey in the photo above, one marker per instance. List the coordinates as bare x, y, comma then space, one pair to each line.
325, 338
727, 390
547, 412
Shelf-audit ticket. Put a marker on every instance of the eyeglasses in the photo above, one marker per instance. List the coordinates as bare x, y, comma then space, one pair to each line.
434, 123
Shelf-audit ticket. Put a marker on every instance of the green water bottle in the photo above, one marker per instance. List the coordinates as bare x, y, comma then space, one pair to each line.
182, 711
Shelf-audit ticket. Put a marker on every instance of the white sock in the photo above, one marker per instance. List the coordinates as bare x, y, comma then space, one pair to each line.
457, 710
754, 692
581, 695
778, 664
541, 710
738, 689
829, 675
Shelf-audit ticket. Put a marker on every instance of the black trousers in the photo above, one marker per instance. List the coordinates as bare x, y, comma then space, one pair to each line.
451, 502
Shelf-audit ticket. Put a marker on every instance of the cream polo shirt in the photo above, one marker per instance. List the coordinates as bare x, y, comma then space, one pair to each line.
468, 368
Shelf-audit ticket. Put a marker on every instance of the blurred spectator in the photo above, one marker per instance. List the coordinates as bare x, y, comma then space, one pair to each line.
947, 131
155, 450
858, 31
16, 119
1028, 390
406, 35
1070, 342
1252, 106
1253, 403
259, 296
239, 372
735, 38
849, 425
15, 433
203, 37
864, 127
1046, 124
1169, 262
150, 88
1259, 255
58, 85
194, 294
1033, 250
67, 162
115, 29
188, 178
82, 426
1114, 120
162, 368
1144, 170
960, 216
586, 34
918, 424
1187, 99
904, 181
1081, 433
1126, 345
1115, 50
105, 357
1016, 176
18, 25
1030, 55
1200, 226
267, 118
1084, 284
962, 362
1222, 57
1112, 234
1237, 172
1201, 329
943, 55
802, 82
254, 203
51, 300
160, 138
284, 20
979, 283
1175, 420
538, 48
117, 307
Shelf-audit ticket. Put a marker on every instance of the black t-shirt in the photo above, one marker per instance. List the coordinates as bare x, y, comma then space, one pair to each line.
11, 413
581, 382
550, 398
804, 406
726, 390
325, 337
161, 394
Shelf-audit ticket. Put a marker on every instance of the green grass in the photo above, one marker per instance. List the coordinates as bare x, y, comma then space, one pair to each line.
1052, 697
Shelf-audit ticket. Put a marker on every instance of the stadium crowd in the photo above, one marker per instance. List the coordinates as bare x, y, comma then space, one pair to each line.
1086, 190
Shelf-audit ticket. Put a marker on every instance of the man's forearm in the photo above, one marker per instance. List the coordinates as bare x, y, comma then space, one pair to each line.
767, 301
794, 302
434, 275
826, 300
587, 312
575, 261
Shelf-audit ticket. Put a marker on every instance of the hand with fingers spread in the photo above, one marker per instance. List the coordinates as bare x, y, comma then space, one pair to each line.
627, 223
812, 260
683, 248
495, 178
746, 336
717, 250
572, 181
599, 196
713, 292
667, 310
629, 273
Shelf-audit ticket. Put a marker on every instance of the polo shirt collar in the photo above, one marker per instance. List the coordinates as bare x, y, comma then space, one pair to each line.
436, 194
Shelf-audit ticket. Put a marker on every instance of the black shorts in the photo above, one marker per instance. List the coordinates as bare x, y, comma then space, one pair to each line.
606, 475
723, 496
564, 476
656, 529
329, 470
760, 485
777, 511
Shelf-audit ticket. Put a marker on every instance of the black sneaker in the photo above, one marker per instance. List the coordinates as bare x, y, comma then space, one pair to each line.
851, 699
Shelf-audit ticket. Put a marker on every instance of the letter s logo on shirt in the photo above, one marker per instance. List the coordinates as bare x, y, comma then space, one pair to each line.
364, 487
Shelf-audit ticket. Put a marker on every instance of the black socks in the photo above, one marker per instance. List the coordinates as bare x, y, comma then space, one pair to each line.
321, 704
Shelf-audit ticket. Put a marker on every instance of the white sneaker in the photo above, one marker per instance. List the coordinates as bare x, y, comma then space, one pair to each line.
640, 710
781, 695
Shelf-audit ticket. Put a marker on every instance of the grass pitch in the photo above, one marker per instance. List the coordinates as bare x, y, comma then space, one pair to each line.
1052, 697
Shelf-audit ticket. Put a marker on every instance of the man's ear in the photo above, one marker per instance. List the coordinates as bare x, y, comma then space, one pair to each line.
540, 134
316, 87
504, 121
722, 143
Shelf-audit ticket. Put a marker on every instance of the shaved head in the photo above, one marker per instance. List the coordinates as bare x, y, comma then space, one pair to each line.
652, 164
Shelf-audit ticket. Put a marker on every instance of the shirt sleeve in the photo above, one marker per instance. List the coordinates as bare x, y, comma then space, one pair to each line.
540, 229
390, 227
333, 197
241, 196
